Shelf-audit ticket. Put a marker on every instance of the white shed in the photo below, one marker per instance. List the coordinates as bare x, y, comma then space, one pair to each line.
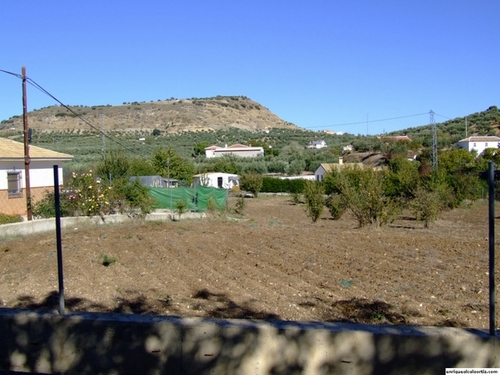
217, 180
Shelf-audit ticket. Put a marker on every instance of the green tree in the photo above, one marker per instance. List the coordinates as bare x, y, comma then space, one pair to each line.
363, 190
199, 148
426, 206
251, 182
314, 194
141, 167
167, 163
114, 164
401, 178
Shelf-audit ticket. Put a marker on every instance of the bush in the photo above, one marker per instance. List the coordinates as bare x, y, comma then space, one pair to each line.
277, 185
45, 207
9, 219
337, 205
363, 190
240, 205
181, 207
315, 200
132, 197
251, 182
426, 206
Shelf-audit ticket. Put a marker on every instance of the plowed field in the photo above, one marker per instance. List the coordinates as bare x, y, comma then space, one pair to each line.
271, 262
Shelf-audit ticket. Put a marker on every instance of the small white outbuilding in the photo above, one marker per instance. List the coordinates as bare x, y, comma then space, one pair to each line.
217, 180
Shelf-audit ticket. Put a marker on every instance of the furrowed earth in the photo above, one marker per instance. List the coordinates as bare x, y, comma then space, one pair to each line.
272, 262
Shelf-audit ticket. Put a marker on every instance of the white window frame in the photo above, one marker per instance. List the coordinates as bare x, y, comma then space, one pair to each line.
14, 183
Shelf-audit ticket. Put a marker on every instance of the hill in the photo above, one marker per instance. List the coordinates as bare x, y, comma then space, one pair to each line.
451, 131
170, 116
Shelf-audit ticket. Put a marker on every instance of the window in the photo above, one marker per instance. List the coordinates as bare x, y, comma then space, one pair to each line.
14, 183
486, 144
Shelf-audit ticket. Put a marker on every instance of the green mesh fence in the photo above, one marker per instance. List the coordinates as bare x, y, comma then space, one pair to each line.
196, 198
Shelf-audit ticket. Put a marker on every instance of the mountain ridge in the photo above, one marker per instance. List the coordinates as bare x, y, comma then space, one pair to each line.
170, 116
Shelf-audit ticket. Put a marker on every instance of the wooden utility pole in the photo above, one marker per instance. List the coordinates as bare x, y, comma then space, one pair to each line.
27, 160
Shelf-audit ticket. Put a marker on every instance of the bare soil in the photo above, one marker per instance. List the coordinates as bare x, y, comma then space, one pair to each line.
271, 262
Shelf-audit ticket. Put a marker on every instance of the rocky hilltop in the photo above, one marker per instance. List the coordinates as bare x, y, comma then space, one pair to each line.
172, 116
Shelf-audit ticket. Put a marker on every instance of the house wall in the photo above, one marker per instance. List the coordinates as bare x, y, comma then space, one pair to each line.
320, 173
16, 205
213, 179
478, 146
242, 153
41, 173
41, 179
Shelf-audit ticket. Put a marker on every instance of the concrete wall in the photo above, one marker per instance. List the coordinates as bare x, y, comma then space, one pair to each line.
46, 225
91, 343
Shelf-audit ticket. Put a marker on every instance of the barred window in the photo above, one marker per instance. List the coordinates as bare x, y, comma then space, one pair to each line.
14, 183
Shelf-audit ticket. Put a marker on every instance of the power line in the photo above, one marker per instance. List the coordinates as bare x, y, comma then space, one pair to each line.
39, 87
13, 74
364, 122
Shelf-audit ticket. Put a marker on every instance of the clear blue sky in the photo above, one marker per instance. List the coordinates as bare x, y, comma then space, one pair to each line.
318, 64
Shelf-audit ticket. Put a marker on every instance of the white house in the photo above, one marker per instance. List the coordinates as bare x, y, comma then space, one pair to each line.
237, 149
479, 143
12, 175
317, 144
217, 180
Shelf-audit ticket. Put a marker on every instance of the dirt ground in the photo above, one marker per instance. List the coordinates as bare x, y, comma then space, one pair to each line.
271, 262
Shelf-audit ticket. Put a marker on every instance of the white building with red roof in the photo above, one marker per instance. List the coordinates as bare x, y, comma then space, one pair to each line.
236, 149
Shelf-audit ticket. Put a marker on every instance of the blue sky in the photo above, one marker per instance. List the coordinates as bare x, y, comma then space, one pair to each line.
318, 64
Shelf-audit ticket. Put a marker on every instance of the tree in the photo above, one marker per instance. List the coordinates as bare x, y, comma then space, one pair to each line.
114, 164
314, 194
167, 163
251, 182
426, 206
364, 194
199, 148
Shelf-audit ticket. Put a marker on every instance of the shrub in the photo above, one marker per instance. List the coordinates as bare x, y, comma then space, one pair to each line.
181, 207
296, 197
132, 197
240, 205
277, 185
337, 205
251, 182
108, 260
91, 197
211, 204
426, 205
45, 207
315, 200
363, 190
9, 219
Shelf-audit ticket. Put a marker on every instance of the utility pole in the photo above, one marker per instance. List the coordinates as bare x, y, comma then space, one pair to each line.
465, 126
434, 141
168, 182
27, 160
103, 133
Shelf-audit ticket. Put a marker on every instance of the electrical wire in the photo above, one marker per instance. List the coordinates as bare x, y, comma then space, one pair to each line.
364, 122
36, 85
39, 87
13, 74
